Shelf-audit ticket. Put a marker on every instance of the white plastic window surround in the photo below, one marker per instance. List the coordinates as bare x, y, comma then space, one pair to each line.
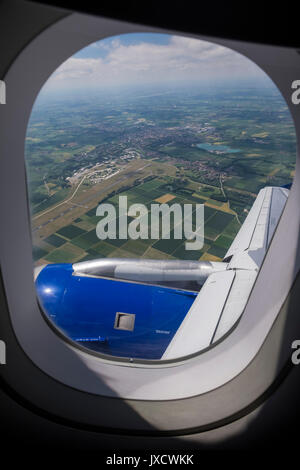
70, 365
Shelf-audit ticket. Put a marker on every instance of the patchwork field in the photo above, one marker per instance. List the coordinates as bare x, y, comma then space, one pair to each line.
78, 241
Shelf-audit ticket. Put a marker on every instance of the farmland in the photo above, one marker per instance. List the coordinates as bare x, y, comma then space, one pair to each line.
72, 243
181, 147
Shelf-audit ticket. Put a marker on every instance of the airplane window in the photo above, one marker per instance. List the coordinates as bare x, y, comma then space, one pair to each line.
158, 167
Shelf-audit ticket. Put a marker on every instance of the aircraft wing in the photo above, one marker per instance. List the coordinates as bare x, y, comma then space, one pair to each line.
251, 243
224, 295
88, 298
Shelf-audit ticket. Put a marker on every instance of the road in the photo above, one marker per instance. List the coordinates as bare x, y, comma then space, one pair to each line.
223, 192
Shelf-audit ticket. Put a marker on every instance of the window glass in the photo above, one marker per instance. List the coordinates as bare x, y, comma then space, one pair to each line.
126, 125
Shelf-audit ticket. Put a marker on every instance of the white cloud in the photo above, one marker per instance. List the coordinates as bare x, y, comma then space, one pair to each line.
182, 58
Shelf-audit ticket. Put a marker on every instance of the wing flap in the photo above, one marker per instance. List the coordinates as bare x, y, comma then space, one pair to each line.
197, 329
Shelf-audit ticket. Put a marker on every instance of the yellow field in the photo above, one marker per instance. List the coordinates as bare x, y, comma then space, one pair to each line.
262, 135
208, 257
165, 198
33, 139
226, 208
273, 172
223, 208
200, 197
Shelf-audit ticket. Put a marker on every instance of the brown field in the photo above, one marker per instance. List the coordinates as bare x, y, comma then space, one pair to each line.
165, 198
120, 253
86, 198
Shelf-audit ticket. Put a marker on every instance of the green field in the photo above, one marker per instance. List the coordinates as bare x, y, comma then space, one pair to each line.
70, 231
55, 240
88, 246
38, 252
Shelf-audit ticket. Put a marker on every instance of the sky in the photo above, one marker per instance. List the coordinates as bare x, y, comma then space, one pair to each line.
145, 58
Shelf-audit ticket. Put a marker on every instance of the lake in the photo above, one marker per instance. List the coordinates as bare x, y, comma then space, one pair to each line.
217, 148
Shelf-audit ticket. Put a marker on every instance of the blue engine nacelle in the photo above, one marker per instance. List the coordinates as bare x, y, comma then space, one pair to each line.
115, 317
